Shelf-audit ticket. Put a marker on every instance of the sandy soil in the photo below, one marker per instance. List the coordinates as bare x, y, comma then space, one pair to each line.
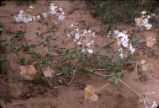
17, 93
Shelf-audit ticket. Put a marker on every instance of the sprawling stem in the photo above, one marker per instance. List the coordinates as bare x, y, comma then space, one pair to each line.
106, 85
133, 90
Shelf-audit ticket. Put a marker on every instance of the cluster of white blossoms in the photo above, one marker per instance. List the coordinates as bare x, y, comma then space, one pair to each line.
143, 21
123, 42
26, 17
83, 38
55, 10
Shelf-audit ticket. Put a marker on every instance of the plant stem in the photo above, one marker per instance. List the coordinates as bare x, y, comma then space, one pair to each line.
2, 58
106, 85
133, 90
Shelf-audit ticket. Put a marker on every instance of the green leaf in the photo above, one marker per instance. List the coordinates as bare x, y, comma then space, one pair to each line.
105, 56
33, 45
109, 76
37, 55
16, 48
46, 62
118, 74
13, 40
135, 39
21, 35
48, 39
26, 48
22, 61
1, 26
65, 71
41, 35
1, 41
41, 43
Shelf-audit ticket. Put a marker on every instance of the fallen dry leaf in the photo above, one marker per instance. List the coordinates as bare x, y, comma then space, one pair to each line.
28, 72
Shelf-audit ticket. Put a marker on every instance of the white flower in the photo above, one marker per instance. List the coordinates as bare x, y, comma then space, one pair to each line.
61, 17
68, 35
88, 45
44, 15
22, 17
77, 29
52, 4
71, 25
122, 38
93, 34
27, 20
19, 18
92, 41
31, 7
109, 33
77, 36
143, 12
79, 43
121, 53
148, 16
84, 32
148, 26
90, 51
89, 31
60, 9
125, 41
21, 12
38, 16
143, 22
83, 51
132, 50
52, 7
116, 32
53, 12
62, 13
154, 105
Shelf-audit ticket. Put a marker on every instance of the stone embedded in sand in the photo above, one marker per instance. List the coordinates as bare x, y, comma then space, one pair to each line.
28, 72
90, 93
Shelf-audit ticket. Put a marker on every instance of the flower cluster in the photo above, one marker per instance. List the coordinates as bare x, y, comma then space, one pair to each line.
26, 17
55, 10
123, 42
143, 21
83, 38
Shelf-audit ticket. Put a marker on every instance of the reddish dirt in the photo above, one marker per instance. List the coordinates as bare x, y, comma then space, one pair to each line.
17, 93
